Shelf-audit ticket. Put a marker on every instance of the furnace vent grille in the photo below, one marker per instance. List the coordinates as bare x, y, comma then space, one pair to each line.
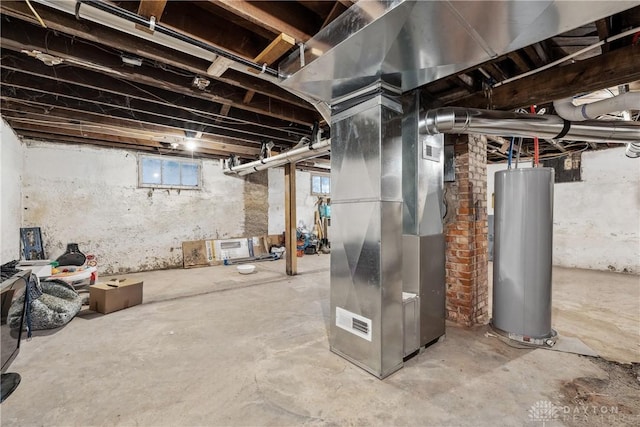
354, 323
430, 152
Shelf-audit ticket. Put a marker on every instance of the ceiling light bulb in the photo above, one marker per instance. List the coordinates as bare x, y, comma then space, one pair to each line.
190, 144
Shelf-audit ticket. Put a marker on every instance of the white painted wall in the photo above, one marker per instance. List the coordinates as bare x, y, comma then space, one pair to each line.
305, 202
11, 172
597, 220
90, 196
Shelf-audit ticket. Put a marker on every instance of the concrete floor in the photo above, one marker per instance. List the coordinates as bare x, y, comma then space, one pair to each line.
211, 347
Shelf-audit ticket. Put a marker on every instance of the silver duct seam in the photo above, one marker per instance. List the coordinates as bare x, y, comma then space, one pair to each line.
491, 122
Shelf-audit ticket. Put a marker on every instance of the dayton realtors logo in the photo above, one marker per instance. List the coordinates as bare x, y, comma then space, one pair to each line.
545, 412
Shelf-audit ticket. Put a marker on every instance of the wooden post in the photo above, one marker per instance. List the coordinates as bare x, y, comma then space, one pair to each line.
290, 218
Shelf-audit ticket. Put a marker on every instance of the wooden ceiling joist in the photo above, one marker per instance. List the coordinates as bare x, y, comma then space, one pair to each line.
19, 35
149, 8
611, 69
91, 58
159, 133
276, 20
27, 72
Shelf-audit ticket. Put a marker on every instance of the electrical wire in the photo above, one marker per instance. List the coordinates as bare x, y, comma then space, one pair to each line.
36, 14
536, 147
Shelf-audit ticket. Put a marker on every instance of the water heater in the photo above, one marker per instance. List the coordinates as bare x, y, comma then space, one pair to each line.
523, 251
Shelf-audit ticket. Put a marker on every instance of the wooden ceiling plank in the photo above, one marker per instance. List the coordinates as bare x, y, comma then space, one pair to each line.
616, 67
149, 8
257, 15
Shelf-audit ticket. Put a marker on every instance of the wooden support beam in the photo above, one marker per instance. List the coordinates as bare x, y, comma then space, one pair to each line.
611, 69
219, 66
223, 113
278, 20
290, 222
248, 97
149, 8
521, 64
604, 30
278, 47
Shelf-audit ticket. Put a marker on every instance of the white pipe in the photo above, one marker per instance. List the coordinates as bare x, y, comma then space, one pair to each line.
566, 58
624, 102
293, 155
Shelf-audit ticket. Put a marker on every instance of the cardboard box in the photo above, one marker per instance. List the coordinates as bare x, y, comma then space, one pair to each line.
114, 295
198, 253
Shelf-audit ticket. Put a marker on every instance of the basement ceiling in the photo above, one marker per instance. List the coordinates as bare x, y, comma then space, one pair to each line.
77, 81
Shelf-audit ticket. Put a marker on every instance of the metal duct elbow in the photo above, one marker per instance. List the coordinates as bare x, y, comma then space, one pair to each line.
568, 111
446, 120
633, 150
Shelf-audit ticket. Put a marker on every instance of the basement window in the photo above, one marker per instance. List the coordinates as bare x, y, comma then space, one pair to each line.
320, 185
169, 172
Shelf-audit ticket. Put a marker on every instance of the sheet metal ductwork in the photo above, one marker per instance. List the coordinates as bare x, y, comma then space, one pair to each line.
422, 41
491, 122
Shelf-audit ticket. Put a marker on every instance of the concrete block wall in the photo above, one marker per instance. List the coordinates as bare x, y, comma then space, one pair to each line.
465, 226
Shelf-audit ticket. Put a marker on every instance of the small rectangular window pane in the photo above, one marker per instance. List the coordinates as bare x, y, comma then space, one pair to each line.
189, 174
316, 185
170, 173
326, 185
151, 171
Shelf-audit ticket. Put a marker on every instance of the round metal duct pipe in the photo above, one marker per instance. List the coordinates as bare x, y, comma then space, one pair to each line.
493, 122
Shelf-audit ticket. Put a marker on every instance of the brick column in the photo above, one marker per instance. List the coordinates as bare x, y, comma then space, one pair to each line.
466, 233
